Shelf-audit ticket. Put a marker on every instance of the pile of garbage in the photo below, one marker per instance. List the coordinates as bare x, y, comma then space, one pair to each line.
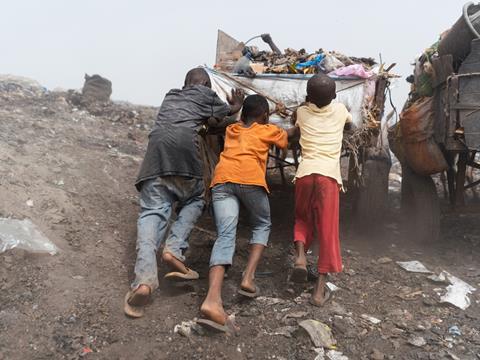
234, 56
11, 85
97, 88
301, 62
93, 99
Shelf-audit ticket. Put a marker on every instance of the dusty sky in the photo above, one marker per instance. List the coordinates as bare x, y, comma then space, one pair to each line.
146, 46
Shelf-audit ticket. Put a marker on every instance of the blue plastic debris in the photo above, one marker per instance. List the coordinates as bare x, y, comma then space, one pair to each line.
314, 62
454, 330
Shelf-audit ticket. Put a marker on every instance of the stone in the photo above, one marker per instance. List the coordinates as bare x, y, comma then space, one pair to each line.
371, 319
384, 260
417, 341
377, 355
338, 309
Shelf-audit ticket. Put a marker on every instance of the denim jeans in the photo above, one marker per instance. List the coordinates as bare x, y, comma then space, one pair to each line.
226, 200
157, 198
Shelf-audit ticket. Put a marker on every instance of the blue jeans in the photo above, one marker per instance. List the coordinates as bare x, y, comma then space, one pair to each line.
226, 199
157, 198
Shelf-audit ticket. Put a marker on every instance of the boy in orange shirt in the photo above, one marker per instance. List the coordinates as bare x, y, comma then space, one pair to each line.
239, 178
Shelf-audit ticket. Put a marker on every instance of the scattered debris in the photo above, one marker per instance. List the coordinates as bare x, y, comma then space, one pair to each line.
455, 357
350, 272
86, 350
186, 327
320, 333
384, 260
269, 301
29, 203
440, 278
417, 341
410, 295
332, 287
320, 353
377, 355
338, 309
23, 234
286, 331
457, 292
414, 266
295, 315
454, 330
336, 355
371, 319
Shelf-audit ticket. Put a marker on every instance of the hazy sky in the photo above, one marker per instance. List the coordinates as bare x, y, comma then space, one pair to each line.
145, 46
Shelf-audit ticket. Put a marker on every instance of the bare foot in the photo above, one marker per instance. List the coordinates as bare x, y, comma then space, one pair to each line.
319, 294
214, 311
248, 284
299, 273
174, 263
300, 258
140, 296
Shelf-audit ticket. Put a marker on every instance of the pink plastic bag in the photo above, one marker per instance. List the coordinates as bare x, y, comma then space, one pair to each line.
353, 70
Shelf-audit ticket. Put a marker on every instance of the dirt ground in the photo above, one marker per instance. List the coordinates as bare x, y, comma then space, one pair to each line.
78, 169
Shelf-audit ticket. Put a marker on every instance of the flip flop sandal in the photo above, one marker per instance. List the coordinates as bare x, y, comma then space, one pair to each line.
179, 276
327, 296
249, 294
227, 328
299, 275
213, 326
134, 310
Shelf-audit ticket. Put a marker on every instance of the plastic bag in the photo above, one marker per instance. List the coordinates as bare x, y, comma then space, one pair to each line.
356, 70
421, 151
314, 62
23, 234
416, 121
331, 63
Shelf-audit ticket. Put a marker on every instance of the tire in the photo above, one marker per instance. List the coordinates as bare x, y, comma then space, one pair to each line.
420, 206
371, 197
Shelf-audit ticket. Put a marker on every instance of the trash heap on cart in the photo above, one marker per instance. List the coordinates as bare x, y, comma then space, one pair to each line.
281, 77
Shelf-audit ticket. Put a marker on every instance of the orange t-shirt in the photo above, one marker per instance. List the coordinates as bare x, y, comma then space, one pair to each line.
244, 158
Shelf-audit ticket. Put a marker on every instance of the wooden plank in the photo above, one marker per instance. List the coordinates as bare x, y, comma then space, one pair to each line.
452, 123
229, 50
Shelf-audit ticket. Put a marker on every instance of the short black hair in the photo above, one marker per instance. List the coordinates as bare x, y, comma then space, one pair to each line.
254, 106
197, 76
321, 90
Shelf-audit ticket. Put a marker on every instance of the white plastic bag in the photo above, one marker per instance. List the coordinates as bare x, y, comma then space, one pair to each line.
23, 234
457, 293
331, 63
414, 266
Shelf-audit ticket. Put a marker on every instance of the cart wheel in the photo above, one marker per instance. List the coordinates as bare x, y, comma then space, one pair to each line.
420, 206
371, 197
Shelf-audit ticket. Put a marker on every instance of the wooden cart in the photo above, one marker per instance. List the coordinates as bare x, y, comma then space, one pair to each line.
369, 157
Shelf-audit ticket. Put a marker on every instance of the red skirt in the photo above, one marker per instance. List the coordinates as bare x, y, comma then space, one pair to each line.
317, 205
